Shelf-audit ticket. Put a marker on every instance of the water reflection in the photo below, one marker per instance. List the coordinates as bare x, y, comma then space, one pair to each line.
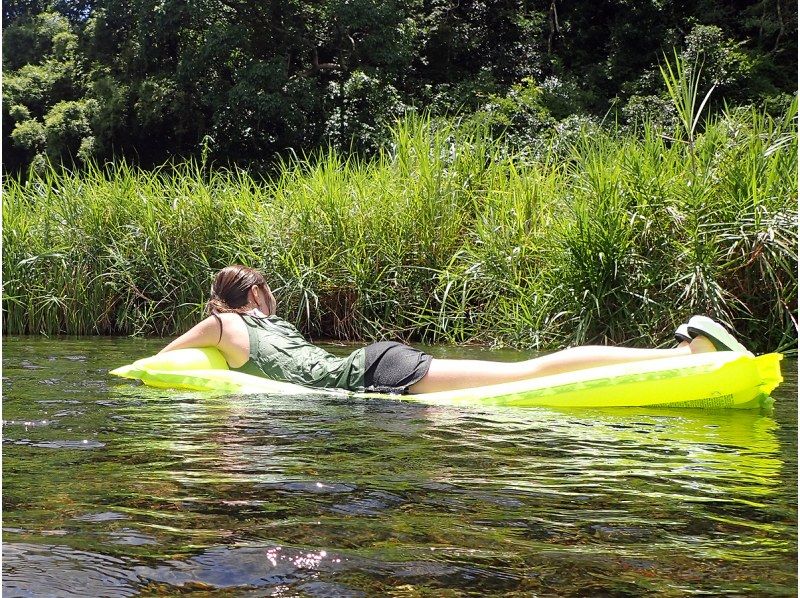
705, 449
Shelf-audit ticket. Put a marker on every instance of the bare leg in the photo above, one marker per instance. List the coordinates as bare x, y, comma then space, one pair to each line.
452, 374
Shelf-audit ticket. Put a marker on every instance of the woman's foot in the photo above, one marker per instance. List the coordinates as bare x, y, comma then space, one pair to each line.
682, 335
701, 344
713, 331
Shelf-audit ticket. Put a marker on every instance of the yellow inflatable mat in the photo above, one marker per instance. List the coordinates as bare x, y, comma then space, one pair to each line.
710, 380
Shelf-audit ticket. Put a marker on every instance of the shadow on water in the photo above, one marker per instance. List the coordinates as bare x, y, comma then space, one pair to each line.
115, 489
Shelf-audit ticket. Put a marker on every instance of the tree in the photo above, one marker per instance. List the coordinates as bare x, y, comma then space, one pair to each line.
247, 80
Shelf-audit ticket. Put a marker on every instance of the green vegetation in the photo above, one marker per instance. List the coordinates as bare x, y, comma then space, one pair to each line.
249, 80
448, 236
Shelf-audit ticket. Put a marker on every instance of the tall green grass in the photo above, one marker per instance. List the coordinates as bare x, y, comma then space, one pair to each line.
444, 237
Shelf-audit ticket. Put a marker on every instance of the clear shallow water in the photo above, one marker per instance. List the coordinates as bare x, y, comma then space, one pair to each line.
113, 489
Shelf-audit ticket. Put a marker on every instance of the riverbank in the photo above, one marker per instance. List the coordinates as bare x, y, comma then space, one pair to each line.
447, 236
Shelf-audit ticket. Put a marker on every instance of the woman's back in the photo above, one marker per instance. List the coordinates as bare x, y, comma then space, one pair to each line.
278, 351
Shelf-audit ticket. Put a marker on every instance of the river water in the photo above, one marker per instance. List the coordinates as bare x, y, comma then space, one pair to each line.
114, 489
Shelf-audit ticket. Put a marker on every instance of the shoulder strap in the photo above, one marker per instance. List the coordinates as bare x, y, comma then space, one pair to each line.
219, 321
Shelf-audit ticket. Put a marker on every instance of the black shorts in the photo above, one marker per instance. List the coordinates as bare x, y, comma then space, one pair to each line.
393, 367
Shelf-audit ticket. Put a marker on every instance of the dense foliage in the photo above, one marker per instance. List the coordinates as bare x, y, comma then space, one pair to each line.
241, 81
446, 237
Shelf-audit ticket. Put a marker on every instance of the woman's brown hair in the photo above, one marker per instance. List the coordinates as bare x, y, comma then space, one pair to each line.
229, 291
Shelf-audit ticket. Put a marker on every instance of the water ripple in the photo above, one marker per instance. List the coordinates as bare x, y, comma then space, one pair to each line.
265, 495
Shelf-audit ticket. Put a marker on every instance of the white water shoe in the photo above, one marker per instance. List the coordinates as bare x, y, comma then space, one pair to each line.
713, 331
682, 334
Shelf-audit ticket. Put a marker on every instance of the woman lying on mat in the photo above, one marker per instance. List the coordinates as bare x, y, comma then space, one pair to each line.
242, 324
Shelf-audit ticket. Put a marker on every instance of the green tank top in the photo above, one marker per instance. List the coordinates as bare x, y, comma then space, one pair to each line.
279, 352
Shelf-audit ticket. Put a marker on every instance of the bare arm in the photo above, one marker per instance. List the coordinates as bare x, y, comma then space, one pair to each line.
204, 334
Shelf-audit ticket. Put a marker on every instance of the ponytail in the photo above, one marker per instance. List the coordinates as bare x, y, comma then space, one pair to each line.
215, 306
230, 291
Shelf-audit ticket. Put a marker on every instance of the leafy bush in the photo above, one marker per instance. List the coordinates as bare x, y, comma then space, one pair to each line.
19, 113
519, 116
561, 97
722, 61
30, 135
655, 110
66, 126
365, 109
